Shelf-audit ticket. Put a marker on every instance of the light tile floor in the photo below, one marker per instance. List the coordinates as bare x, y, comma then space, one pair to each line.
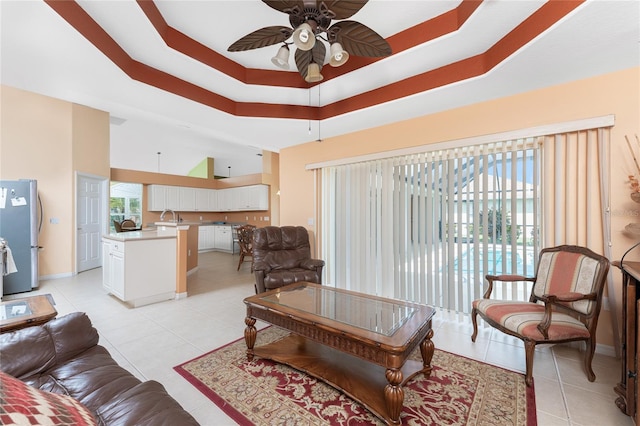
150, 340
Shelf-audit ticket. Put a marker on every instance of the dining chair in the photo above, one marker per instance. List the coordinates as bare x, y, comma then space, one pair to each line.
129, 225
245, 242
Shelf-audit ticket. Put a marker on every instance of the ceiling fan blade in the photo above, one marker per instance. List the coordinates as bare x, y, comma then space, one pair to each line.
261, 38
342, 9
319, 52
303, 57
284, 5
358, 39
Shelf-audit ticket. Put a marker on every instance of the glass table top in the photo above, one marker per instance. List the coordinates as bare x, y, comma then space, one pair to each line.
14, 310
379, 316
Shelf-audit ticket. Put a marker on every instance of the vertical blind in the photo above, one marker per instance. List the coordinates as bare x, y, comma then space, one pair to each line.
428, 227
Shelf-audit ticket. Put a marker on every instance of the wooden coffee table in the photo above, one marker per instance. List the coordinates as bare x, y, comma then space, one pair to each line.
25, 312
355, 342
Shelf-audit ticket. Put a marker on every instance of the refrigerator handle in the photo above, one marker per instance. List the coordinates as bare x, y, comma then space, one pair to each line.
41, 214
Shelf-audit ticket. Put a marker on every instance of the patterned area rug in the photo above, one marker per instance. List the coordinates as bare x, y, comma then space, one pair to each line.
460, 391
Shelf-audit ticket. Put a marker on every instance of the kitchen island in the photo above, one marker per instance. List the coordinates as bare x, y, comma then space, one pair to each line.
140, 267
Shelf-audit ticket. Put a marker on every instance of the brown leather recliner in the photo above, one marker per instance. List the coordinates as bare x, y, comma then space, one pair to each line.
282, 256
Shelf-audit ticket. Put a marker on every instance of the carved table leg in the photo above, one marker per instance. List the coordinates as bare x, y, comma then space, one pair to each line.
426, 350
250, 336
394, 395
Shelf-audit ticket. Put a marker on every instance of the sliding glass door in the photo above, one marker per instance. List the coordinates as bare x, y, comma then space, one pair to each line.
428, 227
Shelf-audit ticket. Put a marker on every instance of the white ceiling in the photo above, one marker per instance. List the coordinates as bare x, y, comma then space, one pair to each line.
43, 53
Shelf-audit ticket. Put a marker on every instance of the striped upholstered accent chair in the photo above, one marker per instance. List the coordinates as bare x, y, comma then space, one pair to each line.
564, 304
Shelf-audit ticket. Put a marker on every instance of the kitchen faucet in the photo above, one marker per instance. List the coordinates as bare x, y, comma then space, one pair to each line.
165, 211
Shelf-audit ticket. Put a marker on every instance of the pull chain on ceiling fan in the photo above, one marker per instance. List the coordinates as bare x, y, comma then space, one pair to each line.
309, 20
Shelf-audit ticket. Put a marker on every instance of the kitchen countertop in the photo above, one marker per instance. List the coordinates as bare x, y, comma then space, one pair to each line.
145, 234
198, 223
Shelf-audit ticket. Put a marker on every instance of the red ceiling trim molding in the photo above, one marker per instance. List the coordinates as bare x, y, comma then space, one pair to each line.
541, 20
550, 13
431, 29
186, 45
71, 12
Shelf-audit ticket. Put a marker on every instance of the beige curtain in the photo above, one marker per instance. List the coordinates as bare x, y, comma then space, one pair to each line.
575, 194
573, 211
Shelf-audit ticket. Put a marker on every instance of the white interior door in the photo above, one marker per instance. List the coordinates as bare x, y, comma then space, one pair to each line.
90, 221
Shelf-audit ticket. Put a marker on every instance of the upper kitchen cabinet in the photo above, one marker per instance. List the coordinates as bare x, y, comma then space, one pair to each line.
185, 199
172, 199
225, 200
254, 197
202, 199
163, 197
206, 200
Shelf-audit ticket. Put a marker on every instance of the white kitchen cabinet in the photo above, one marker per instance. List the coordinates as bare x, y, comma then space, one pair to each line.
113, 267
206, 238
172, 199
254, 197
118, 272
213, 200
163, 197
226, 200
244, 198
106, 265
156, 195
206, 200
202, 199
186, 199
223, 238
241, 198
140, 271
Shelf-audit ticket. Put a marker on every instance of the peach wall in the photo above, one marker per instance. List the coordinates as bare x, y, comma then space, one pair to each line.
91, 141
615, 93
44, 138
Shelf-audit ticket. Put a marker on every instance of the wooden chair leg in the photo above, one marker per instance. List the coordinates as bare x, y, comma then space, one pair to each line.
241, 260
529, 350
474, 320
588, 358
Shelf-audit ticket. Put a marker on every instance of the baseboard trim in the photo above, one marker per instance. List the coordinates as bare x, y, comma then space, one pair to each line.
56, 276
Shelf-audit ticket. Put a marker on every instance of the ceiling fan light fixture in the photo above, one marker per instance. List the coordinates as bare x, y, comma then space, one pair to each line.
304, 37
338, 56
311, 29
313, 73
281, 60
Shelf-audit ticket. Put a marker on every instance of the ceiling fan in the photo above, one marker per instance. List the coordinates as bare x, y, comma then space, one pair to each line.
309, 19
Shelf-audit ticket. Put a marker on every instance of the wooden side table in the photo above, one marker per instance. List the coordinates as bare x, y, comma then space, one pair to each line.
626, 388
25, 312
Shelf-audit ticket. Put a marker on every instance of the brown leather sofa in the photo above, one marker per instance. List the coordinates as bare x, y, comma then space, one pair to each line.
281, 256
63, 357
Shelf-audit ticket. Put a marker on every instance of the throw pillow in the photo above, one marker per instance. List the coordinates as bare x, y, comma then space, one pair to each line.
21, 404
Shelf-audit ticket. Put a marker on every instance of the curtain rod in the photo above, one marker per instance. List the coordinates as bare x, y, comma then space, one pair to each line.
547, 129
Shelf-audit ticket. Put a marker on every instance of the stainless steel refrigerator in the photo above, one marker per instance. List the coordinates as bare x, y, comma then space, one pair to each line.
20, 223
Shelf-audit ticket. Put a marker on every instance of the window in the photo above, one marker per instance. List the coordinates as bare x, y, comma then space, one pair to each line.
125, 202
428, 227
